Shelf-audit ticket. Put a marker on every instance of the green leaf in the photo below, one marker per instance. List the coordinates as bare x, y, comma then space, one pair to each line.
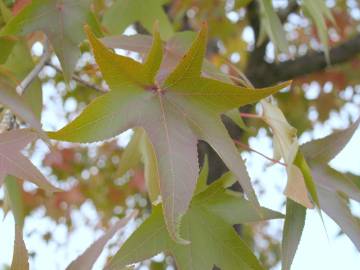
234, 115
14, 196
201, 184
271, 24
5, 11
318, 11
175, 112
6, 46
208, 225
124, 13
141, 149
301, 163
61, 20
293, 228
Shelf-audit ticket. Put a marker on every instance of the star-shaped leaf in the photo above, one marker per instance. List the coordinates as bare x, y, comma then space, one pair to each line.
125, 12
175, 112
12, 162
333, 186
61, 20
208, 225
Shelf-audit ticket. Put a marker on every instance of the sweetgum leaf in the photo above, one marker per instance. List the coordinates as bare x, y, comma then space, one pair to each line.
271, 24
124, 13
209, 228
335, 181
331, 183
12, 162
325, 149
14, 196
141, 149
61, 20
293, 228
337, 208
86, 260
6, 45
175, 112
319, 12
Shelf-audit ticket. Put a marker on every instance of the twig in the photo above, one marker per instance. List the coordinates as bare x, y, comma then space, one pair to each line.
250, 115
20, 89
8, 120
78, 79
245, 146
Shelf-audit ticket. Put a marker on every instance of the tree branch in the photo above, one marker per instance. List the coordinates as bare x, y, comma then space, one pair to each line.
78, 79
269, 74
20, 89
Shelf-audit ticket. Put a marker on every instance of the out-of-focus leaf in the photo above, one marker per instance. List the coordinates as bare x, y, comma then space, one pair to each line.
86, 260
293, 228
271, 24
286, 146
325, 149
14, 197
175, 112
318, 12
207, 226
241, 3
12, 162
336, 207
6, 46
18, 105
20, 257
124, 13
5, 11
61, 20
141, 149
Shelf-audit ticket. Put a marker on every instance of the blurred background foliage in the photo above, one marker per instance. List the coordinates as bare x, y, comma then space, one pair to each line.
89, 173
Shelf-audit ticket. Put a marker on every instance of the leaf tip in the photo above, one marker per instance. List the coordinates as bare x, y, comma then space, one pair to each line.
156, 27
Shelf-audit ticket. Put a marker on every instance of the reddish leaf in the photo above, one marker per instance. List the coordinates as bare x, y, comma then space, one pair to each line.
12, 162
86, 260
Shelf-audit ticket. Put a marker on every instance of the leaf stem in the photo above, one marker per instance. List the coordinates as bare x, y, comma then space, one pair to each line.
78, 79
250, 115
247, 147
20, 89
